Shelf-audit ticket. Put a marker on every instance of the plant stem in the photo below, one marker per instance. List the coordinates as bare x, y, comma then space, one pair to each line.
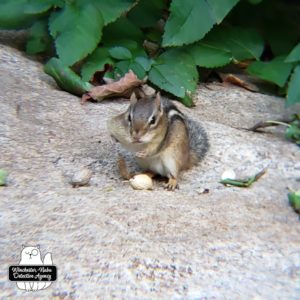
278, 123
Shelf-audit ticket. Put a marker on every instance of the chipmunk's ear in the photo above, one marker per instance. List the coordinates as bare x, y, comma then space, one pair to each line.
158, 103
133, 98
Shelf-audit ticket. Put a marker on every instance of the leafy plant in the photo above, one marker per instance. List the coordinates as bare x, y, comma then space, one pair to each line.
3, 177
293, 131
165, 40
294, 200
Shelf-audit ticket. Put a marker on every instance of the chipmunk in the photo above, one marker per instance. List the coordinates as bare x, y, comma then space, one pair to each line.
163, 139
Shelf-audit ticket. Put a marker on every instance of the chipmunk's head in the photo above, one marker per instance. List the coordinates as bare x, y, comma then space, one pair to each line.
145, 118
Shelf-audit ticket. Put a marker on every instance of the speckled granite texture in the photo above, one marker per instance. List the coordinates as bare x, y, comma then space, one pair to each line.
109, 241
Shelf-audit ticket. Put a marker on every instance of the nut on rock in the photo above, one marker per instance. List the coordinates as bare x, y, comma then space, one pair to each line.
141, 182
81, 178
228, 174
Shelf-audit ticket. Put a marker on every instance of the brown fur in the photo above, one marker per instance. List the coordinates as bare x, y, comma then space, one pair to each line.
164, 146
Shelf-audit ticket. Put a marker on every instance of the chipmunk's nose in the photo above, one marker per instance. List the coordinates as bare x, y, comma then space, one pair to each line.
136, 139
136, 136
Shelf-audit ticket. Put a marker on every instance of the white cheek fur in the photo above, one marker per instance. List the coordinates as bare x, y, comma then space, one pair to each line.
148, 137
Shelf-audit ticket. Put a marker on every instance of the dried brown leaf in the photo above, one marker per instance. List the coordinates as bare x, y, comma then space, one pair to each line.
234, 79
121, 88
243, 64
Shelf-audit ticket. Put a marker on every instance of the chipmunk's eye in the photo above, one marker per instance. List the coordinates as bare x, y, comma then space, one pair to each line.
152, 121
129, 118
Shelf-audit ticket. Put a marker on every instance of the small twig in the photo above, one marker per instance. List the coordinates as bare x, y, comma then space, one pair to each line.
260, 174
278, 123
264, 124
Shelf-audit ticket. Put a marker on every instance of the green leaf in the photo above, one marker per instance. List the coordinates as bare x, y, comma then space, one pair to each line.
120, 53
145, 62
293, 93
3, 177
37, 6
190, 20
95, 62
276, 71
123, 33
245, 43
135, 48
121, 68
113, 9
221, 8
140, 66
60, 21
122, 29
146, 13
294, 56
17, 14
209, 56
78, 30
66, 78
293, 132
275, 20
39, 39
281, 42
255, 2
137, 69
154, 35
13, 14
174, 71
242, 43
294, 200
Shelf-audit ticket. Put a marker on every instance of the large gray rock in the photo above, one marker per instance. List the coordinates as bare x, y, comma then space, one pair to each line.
108, 240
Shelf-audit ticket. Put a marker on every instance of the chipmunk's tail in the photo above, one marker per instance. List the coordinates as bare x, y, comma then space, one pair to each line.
198, 139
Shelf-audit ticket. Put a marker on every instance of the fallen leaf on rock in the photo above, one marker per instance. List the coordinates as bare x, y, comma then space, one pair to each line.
66, 78
243, 182
234, 79
121, 88
294, 199
3, 176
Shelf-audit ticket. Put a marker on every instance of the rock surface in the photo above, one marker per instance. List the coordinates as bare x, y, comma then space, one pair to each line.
110, 241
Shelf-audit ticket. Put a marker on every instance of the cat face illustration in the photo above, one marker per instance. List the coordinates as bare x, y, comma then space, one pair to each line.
31, 255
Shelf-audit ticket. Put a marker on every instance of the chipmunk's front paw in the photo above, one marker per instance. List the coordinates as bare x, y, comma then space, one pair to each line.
141, 154
172, 184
